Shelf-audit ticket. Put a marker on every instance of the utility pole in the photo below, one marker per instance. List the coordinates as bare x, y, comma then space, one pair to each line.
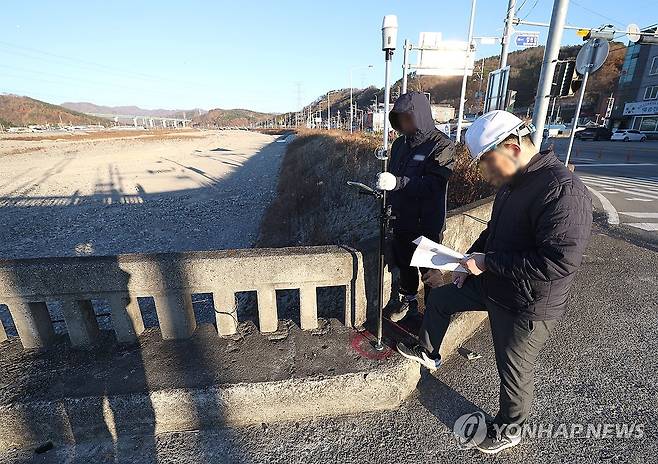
405, 65
558, 18
507, 33
462, 98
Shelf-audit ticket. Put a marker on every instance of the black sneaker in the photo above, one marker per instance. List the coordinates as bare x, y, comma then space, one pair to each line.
497, 440
396, 310
420, 355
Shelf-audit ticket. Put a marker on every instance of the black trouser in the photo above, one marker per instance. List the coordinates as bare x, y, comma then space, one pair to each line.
403, 249
517, 342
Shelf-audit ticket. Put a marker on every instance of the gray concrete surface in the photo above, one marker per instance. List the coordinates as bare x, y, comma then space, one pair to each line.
71, 396
598, 367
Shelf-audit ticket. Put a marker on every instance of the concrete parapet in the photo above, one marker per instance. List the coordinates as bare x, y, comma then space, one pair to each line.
464, 225
158, 386
171, 279
70, 420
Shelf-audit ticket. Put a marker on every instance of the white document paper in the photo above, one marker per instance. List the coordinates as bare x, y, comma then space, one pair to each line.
432, 255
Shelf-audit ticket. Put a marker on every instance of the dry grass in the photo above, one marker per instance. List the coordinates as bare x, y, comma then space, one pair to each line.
314, 205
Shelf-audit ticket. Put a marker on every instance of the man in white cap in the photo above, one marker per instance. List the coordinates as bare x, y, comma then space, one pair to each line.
520, 269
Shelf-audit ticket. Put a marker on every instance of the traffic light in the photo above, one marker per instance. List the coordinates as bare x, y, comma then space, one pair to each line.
563, 78
605, 33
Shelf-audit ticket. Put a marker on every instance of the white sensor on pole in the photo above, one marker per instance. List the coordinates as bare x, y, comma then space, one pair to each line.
389, 32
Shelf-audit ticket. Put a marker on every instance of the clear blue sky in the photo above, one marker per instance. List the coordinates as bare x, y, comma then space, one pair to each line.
248, 54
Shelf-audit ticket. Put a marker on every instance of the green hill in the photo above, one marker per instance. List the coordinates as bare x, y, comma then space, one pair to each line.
229, 118
17, 110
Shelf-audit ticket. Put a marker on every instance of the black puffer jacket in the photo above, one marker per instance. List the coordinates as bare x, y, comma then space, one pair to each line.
534, 243
423, 163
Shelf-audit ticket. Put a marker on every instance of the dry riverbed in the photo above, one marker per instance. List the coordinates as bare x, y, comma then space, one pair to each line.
179, 190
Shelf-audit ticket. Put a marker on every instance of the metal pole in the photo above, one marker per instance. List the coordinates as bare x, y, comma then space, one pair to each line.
383, 219
462, 98
576, 116
507, 33
328, 112
558, 17
351, 105
405, 65
574, 123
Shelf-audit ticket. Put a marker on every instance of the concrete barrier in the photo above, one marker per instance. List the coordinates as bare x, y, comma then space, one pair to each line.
79, 419
27, 285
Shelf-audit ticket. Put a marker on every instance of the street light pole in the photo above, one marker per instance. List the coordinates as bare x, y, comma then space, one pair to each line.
558, 18
328, 111
507, 33
351, 95
462, 98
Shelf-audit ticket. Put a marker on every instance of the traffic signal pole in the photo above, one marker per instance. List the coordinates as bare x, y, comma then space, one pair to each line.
558, 18
576, 116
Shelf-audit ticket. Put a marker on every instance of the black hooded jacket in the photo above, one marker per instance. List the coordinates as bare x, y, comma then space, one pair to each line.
423, 163
534, 243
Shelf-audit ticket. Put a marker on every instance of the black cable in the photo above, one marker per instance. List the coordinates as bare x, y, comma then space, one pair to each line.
530, 10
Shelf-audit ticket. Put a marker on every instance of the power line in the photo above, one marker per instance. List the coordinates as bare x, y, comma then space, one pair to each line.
68, 79
519, 8
619, 23
27, 51
530, 10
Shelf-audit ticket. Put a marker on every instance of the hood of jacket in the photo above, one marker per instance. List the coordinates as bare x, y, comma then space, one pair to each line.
417, 105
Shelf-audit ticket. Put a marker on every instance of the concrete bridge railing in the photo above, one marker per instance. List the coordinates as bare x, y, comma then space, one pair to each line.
171, 279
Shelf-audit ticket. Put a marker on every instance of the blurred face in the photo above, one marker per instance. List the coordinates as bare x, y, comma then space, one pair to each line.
499, 165
407, 125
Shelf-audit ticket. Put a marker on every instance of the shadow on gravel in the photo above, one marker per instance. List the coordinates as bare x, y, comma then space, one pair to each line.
121, 217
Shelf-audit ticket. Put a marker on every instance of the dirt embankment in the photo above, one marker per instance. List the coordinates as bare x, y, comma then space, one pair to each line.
314, 205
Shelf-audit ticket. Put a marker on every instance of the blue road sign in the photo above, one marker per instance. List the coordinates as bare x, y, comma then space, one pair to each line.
527, 39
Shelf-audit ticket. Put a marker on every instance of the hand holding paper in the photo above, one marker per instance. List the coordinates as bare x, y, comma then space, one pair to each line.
432, 255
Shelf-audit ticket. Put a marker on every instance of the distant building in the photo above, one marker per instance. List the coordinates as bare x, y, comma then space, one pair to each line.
636, 99
442, 113
375, 120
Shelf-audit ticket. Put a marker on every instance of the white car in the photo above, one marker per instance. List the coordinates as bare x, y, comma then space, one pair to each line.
628, 135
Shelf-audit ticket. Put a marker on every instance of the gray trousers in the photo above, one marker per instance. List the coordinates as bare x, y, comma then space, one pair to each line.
516, 341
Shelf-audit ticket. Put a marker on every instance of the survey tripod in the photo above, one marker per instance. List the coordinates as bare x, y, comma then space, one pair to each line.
385, 217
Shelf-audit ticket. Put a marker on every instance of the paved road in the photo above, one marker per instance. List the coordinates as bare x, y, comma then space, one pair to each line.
623, 178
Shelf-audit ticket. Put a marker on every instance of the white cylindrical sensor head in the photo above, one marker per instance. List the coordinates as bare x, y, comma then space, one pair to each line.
389, 32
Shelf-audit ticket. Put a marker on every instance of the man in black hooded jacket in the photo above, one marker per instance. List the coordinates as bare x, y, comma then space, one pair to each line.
420, 165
